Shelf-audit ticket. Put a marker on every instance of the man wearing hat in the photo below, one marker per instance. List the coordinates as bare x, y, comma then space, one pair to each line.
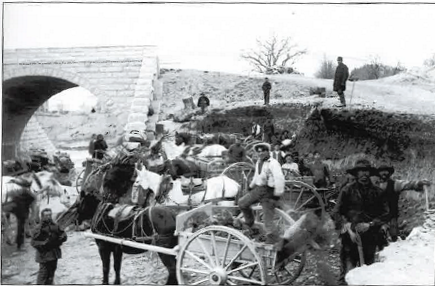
392, 189
267, 86
267, 186
340, 78
360, 212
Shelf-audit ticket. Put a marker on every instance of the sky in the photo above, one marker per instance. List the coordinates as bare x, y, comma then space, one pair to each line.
212, 36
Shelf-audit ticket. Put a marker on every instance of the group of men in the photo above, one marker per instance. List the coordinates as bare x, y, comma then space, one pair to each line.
339, 85
365, 207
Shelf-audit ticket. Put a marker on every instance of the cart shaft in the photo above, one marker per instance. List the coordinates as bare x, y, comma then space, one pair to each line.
159, 249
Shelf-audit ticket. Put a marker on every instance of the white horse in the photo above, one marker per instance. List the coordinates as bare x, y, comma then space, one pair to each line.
49, 193
220, 189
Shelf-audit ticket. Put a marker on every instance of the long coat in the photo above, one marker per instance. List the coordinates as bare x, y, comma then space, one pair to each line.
340, 78
47, 240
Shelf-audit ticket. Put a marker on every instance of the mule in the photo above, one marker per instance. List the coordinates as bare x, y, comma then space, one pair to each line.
154, 224
220, 188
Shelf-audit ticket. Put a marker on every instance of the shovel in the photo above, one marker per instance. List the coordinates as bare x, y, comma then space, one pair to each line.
351, 93
360, 249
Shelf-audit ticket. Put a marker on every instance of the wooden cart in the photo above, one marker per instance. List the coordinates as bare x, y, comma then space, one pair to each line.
220, 255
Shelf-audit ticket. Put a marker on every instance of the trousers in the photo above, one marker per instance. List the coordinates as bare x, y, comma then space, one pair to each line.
349, 255
342, 98
46, 272
266, 96
264, 196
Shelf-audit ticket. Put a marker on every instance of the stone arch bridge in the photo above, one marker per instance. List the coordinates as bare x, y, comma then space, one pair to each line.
122, 77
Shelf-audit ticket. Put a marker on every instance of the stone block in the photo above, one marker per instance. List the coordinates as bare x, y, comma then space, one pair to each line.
141, 102
137, 117
142, 109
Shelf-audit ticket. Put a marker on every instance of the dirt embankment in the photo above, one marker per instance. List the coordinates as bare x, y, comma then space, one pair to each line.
406, 141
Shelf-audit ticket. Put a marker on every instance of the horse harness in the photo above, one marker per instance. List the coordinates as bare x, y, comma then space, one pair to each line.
137, 216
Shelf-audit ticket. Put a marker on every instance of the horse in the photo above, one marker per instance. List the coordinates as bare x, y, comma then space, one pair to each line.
22, 197
220, 188
153, 224
206, 139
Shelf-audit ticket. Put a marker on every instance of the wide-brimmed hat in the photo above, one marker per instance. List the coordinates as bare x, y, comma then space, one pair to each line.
385, 167
263, 146
362, 164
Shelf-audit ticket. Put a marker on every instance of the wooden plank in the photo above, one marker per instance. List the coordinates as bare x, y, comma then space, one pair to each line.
149, 247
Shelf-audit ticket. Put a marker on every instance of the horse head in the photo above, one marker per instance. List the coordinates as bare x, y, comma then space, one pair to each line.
158, 184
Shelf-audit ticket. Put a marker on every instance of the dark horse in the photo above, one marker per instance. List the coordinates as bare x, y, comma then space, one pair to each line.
156, 224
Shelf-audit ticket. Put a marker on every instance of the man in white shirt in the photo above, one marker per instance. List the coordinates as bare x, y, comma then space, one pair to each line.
256, 130
267, 186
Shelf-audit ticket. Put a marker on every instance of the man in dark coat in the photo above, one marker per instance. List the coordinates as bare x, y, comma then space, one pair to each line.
267, 86
360, 212
236, 152
203, 102
268, 131
47, 239
340, 78
392, 189
100, 146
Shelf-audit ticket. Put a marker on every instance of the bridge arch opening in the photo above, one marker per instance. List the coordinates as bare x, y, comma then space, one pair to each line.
22, 97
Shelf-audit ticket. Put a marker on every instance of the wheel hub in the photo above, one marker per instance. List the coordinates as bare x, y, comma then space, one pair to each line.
218, 276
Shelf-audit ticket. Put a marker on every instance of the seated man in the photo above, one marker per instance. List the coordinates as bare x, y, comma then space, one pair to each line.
267, 186
290, 168
203, 102
236, 153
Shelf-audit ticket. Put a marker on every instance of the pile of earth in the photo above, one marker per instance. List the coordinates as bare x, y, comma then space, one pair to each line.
404, 140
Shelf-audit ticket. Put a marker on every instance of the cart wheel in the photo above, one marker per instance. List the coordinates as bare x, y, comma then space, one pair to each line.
240, 172
290, 270
216, 255
79, 181
301, 196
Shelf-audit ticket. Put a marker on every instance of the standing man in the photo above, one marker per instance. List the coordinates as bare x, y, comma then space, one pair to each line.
392, 189
267, 186
268, 131
267, 86
91, 144
340, 78
100, 147
360, 212
47, 239
320, 172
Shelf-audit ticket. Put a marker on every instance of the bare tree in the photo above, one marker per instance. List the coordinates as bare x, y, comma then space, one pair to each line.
274, 55
327, 69
430, 62
375, 68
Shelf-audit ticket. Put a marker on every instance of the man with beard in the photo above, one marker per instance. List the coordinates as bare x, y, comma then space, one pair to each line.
360, 212
47, 239
267, 186
392, 189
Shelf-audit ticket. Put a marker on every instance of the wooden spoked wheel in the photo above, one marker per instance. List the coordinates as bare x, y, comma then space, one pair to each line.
300, 196
80, 180
242, 173
217, 255
288, 271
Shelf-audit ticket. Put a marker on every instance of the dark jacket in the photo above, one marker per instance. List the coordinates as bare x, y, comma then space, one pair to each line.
268, 128
358, 203
236, 153
340, 78
100, 145
203, 100
267, 86
47, 239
